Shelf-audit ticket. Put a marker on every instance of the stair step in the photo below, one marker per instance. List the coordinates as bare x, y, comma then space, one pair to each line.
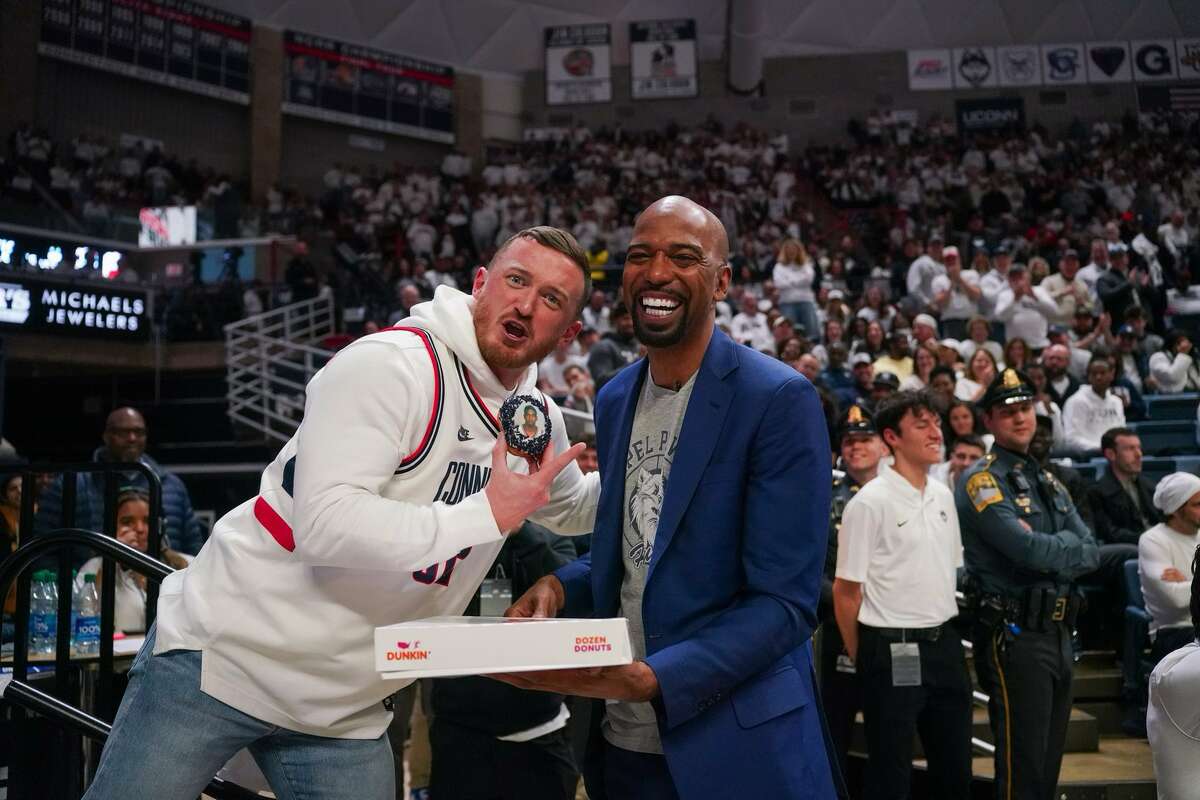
1120, 768
1083, 732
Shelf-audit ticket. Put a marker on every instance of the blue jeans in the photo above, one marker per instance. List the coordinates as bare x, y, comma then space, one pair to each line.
804, 313
169, 739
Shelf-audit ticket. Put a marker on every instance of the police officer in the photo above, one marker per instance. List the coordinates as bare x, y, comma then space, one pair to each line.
861, 451
1024, 546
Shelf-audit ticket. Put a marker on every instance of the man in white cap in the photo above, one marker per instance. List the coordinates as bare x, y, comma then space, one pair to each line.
1165, 559
924, 327
956, 294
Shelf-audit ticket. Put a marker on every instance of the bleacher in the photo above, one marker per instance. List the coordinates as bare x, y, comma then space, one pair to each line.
1169, 439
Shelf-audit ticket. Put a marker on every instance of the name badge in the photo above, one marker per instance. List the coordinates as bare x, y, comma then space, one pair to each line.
906, 664
495, 596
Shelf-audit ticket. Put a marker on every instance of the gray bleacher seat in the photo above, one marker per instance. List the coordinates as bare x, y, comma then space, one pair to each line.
1166, 438
1153, 467
1166, 407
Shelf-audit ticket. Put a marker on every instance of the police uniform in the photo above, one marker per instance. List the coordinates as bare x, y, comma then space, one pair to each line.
1024, 546
840, 690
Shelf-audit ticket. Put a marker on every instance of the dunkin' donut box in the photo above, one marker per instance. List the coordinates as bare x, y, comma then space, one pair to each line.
442, 647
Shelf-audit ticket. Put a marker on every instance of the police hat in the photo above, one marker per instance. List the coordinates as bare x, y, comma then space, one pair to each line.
1009, 387
857, 420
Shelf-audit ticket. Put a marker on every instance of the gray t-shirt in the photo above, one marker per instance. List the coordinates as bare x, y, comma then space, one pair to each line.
656, 423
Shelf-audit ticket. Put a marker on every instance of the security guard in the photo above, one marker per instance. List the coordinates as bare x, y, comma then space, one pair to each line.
1024, 546
861, 451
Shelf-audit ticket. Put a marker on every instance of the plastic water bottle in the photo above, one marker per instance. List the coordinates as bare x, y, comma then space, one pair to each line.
37, 614
87, 623
74, 607
50, 613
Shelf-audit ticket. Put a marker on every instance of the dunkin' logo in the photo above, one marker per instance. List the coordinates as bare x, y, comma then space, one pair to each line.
592, 644
407, 651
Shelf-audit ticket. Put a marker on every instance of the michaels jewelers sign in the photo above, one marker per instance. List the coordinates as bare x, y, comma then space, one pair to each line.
70, 308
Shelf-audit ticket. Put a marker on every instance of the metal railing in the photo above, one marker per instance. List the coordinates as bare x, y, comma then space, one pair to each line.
15, 690
270, 358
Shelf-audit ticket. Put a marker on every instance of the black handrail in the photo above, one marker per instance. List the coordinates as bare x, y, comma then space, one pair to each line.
68, 716
20, 693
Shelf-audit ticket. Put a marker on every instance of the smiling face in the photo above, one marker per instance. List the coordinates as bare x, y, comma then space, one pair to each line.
983, 368
526, 302
919, 440
861, 452
675, 272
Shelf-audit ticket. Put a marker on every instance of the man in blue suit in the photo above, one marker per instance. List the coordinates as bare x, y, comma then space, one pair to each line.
710, 538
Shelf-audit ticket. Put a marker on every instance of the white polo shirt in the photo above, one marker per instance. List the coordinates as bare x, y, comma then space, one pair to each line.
903, 546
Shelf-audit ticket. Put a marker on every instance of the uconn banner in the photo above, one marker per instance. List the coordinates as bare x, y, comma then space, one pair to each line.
662, 59
578, 64
990, 114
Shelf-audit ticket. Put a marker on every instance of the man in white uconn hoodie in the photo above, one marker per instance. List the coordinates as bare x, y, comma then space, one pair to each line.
390, 503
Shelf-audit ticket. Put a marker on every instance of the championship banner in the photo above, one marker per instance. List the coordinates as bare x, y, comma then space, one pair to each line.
365, 88
175, 43
929, 70
1108, 62
989, 114
1187, 58
1019, 65
1154, 60
662, 59
578, 64
974, 67
1063, 64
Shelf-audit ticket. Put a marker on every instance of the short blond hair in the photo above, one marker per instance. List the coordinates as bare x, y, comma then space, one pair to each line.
560, 241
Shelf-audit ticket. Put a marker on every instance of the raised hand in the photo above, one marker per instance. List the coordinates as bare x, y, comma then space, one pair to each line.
513, 496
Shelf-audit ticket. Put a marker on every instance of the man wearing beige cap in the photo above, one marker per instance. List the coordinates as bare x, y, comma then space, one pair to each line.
1165, 555
956, 295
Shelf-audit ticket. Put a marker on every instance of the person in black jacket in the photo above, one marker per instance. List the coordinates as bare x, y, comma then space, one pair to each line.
1120, 287
1039, 448
616, 350
1123, 500
490, 740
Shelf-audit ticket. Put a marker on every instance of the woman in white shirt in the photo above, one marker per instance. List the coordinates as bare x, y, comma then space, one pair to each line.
876, 309
133, 529
793, 275
924, 360
978, 375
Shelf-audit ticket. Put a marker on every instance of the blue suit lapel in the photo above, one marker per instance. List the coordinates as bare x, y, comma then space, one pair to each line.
698, 437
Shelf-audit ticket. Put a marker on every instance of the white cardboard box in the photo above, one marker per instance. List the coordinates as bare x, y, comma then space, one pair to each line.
449, 646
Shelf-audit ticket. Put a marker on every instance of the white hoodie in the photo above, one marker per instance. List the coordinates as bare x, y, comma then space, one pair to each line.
1087, 415
388, 523
1174, 374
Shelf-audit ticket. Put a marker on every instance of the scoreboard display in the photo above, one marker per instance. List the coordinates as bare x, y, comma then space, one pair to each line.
171, 42
366, 88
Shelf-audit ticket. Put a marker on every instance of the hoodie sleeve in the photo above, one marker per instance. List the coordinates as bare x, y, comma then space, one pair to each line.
364, 412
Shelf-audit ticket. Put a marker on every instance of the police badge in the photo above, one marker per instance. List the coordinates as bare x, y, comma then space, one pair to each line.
526, 424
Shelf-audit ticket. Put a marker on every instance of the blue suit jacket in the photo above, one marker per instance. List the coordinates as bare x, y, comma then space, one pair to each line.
731, 593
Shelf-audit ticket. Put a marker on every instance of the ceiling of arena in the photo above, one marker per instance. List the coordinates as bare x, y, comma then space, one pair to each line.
506, 35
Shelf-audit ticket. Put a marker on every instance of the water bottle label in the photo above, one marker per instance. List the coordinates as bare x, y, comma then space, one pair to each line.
87, 630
